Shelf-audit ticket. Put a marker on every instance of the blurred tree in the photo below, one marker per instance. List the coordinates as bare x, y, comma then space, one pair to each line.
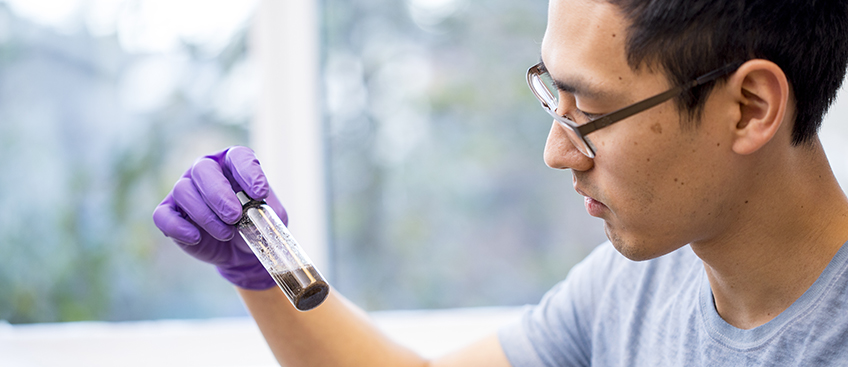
440, 195
90, 136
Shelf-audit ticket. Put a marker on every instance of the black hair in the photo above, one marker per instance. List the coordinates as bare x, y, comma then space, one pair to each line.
807, 39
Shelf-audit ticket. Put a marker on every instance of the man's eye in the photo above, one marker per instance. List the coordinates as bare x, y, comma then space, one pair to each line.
579, 116
590, 116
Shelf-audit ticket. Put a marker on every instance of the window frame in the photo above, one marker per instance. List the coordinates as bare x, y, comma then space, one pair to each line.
287, 132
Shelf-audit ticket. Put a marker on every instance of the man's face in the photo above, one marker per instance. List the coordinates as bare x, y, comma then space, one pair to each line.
657, 184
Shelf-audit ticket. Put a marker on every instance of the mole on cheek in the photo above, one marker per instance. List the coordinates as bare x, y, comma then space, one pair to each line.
657, 128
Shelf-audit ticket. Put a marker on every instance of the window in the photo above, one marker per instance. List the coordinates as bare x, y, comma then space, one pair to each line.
414, 178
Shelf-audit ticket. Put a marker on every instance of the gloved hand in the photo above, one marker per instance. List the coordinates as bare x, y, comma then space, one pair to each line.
200, 212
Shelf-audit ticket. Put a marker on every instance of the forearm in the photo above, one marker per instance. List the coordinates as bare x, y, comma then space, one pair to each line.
336, 333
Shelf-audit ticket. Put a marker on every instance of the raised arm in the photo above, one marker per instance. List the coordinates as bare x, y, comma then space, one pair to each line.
199, 215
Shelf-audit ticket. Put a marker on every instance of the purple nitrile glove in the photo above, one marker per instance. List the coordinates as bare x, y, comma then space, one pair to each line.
200, 212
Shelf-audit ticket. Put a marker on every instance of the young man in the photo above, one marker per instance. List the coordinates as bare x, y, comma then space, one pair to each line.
726, 224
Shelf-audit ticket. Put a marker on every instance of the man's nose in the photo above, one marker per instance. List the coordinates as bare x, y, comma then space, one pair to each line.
560, 152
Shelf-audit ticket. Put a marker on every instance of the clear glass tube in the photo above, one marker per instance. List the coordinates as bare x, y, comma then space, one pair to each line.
280, 254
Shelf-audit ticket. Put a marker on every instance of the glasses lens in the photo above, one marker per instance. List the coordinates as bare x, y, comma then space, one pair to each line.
543, 86
544, 89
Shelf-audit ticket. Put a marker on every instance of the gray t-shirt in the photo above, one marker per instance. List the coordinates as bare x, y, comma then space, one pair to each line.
611, 311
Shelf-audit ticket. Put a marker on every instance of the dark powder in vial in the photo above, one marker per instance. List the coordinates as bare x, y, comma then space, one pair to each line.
305, 287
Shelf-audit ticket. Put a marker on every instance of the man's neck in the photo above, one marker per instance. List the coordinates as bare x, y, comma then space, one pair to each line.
784, 239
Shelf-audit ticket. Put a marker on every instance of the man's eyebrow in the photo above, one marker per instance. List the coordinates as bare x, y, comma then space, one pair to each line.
576, 87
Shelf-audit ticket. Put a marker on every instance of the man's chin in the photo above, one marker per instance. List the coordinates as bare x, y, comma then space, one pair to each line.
637, 249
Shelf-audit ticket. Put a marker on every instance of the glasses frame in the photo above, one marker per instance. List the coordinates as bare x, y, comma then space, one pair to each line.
546, 97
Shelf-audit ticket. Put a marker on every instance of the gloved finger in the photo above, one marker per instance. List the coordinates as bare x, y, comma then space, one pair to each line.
208, 177
213, 252
169, 219
245, 170
191, 202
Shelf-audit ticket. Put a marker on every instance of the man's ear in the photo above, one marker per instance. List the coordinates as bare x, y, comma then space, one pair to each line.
762, 92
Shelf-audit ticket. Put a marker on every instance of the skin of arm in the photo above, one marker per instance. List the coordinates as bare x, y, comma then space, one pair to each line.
337, 333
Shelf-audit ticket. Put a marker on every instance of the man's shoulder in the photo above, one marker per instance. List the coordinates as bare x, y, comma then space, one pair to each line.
600, 301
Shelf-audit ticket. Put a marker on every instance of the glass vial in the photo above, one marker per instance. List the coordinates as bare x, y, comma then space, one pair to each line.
280, 254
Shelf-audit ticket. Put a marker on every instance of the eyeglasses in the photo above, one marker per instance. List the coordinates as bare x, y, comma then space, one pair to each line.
543, 87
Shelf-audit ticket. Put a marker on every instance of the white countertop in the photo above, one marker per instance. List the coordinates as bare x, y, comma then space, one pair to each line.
231, 342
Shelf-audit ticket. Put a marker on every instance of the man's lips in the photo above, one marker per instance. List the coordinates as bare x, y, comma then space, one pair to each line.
594, 207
